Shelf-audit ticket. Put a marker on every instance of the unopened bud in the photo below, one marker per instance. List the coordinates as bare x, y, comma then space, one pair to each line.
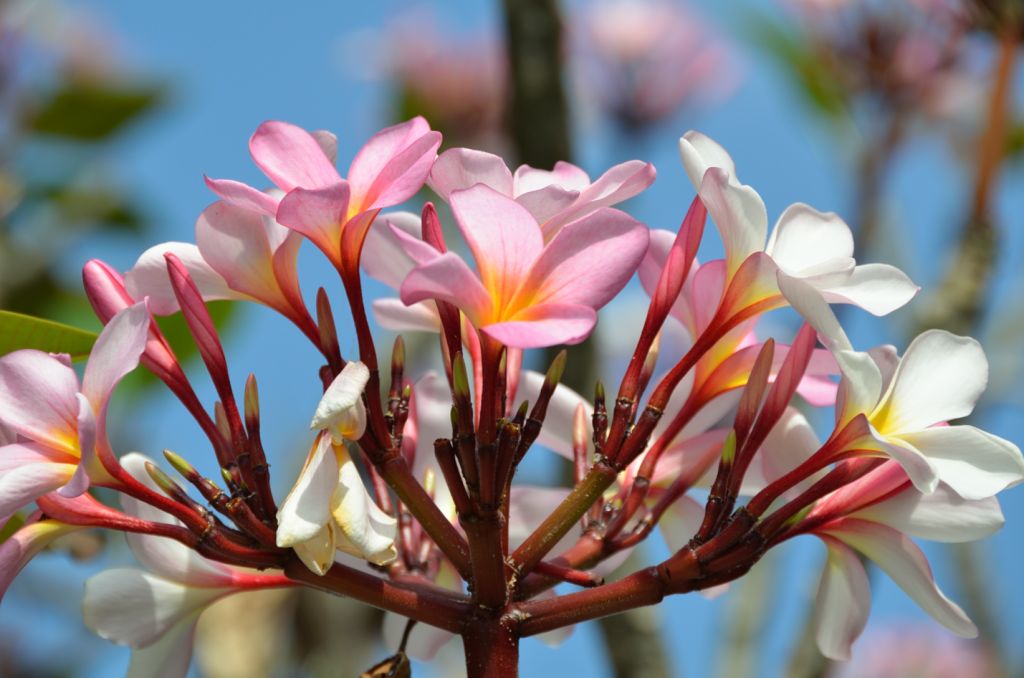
555, 371
179, 464
163, 481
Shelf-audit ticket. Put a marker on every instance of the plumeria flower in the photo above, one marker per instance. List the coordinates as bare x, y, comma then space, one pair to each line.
725, 366
805, 243
329, 509
939, 378
25, 543
155, 611
244, 252
553, 197
525, 293
875, 517
60, 423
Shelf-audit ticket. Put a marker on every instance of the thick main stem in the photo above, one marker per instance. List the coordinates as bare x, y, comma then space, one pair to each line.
492, 648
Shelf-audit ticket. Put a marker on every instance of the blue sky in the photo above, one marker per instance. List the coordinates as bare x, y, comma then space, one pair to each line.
232, 65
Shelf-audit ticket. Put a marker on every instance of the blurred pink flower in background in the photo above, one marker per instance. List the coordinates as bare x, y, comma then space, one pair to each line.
917, 651
643, 60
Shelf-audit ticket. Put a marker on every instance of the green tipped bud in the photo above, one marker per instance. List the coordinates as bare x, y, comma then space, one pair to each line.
556, 369
455, 417
252, 400
407, 391
599, 392
460, 380
800, 515
503, 361
523, 409
220, 417
162, 480
228, 478
398, 354
729, 447
179, 464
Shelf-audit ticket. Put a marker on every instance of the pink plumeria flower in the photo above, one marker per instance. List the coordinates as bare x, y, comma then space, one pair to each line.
34, 535
329, 509
154, 611
553, 198
805, 243
907, 403
60, 423
853, 520
525, 293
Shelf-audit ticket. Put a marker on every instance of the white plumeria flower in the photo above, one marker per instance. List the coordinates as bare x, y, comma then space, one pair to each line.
805, 243
880, 533
155, 612
940, 378
329, 509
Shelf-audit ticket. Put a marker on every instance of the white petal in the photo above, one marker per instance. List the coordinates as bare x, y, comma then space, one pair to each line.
135, 608
940, 516
738, 213
842, 603
804, 237
556, 434
903, 561
308, 506
341, 409
918, 467
940, 378
168, 657
166, 557
699, 152
879, 289
149, 277
363, 529
318, 552
974, 463
391, 314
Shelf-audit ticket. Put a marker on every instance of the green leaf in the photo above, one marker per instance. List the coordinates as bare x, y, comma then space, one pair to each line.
19, 331
90, 112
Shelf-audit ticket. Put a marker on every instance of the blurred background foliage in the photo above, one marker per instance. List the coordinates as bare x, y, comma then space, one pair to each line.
880, 78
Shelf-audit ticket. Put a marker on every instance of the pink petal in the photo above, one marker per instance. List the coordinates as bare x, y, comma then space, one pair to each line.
545, 325
87, 434
589, 261
21, 486
242, 195
448, 278
503, 236
249, 250
383, 257
149, 278
565, 176
546, 203
617, 184
393, 164
37, 399
318, 214
291, 156
460, 168
115, 354
25, 544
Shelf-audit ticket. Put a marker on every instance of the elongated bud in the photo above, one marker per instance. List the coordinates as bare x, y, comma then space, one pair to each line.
397, 365
556, 370
520, 417
200, 324
252, 404
753, 393
431, 225
326, 328
105, 289
163, 481
220, 417
460, 379
179, 464
579, 442
599, 394
729, 448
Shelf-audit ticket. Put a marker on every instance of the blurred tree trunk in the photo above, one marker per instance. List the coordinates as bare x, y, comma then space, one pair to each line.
539, 126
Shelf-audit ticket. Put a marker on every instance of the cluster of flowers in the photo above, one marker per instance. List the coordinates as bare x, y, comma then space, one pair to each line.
549, 252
